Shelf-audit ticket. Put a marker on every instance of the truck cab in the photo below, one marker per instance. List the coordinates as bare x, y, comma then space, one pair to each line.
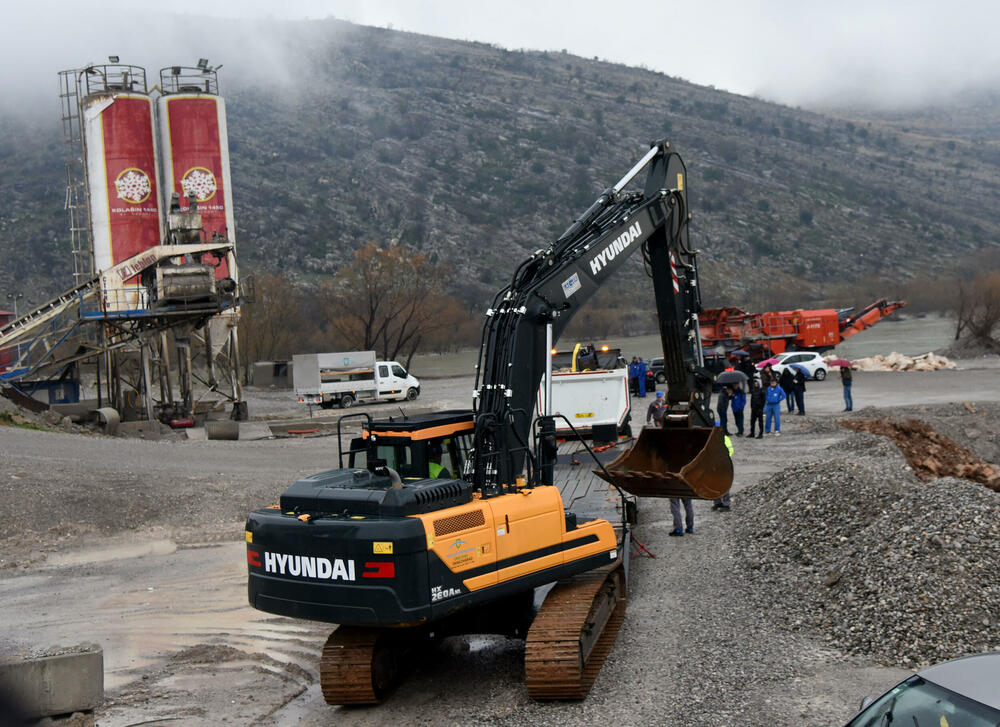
393, 382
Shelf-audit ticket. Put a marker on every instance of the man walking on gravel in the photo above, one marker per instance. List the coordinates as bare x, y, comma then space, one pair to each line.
847, 378
772, 407
675, 510
656, 410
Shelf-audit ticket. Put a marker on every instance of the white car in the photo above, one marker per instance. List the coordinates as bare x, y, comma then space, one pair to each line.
812, 362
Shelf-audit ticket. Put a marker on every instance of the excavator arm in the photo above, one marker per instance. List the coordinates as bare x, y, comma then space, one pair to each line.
550, 287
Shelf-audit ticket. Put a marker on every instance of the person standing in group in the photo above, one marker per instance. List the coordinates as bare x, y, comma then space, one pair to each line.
640, 371
722, 407
799, 389
772, 407
746, 366
633, 376
847, 379
766, 374
787, 383
739, 403
723, 503
757, 408
657, 409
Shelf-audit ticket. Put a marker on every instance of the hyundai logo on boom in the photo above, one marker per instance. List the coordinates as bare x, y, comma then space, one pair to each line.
616, 246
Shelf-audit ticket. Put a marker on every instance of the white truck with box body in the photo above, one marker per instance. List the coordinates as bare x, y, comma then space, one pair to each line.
589, 387
342, 379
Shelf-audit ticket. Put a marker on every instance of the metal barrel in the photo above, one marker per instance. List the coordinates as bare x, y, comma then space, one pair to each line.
675, 462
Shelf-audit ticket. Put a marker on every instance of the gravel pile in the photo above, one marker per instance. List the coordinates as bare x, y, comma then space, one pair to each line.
881, 564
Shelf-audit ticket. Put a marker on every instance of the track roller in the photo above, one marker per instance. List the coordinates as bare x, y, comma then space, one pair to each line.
573, 634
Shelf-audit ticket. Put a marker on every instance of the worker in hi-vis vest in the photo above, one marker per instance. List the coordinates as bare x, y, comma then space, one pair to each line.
722, 503
434, 467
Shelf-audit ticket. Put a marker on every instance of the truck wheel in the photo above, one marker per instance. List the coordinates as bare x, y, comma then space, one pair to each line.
820, 374
661, 378
346, 401
411, 394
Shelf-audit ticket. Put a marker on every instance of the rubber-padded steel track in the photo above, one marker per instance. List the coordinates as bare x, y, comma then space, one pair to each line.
359, 665
555, 664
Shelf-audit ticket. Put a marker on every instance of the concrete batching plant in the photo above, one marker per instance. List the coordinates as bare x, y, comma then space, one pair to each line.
156, 299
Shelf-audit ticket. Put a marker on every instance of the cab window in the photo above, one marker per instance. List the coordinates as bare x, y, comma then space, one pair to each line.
398, 370
383, 371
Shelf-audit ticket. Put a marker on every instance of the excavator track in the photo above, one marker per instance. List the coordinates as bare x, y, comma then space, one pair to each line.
360, 665
573, 634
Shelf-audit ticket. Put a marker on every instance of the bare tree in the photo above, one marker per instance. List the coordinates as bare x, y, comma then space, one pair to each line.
983, 319
388, 299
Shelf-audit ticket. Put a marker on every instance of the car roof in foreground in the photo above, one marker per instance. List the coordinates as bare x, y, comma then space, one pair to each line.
976, 677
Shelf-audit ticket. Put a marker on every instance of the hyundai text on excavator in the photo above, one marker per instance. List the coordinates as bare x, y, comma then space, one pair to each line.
396, 558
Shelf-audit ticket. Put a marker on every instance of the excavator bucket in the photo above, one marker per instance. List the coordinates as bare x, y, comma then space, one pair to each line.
675, 462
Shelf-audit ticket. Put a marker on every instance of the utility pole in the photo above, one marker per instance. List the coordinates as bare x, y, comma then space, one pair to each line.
14, 297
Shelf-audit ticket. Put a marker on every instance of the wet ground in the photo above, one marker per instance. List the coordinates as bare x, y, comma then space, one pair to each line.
136, 545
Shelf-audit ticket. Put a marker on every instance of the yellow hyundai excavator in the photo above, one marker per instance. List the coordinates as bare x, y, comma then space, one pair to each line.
396, 557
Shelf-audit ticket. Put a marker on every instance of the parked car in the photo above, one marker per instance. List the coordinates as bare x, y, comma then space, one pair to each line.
656, 366
812, 362
958, 693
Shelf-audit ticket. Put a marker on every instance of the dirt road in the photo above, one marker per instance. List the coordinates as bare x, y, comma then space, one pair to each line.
136, 545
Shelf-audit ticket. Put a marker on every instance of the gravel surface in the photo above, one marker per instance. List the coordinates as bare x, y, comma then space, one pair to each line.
835, 559
856, 547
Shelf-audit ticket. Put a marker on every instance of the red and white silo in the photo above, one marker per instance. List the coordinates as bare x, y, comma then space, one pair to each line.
194, 144
121, 162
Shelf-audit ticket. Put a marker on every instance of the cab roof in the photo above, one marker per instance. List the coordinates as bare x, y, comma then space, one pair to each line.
423, 426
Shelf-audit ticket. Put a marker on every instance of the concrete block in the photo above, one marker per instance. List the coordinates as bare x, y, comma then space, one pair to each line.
60, 681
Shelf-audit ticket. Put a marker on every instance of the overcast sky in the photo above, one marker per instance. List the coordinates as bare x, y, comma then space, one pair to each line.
798, 52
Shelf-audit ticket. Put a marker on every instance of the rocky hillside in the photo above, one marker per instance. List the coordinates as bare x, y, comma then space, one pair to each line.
477, 155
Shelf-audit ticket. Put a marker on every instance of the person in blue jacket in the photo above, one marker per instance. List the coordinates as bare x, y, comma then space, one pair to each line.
633, 374
640, 371
772, 407
739, 403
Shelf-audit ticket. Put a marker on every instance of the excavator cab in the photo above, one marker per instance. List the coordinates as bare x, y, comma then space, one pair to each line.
412, 446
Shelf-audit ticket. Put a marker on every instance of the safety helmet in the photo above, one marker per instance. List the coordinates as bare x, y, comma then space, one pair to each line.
659, 394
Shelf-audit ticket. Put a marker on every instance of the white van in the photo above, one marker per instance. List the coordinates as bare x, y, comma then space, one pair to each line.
343, 379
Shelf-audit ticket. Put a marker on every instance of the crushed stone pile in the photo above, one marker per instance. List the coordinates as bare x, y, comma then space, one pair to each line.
859, 549
930, 454
898, 362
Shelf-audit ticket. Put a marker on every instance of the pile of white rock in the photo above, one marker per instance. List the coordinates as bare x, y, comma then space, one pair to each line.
898, 362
